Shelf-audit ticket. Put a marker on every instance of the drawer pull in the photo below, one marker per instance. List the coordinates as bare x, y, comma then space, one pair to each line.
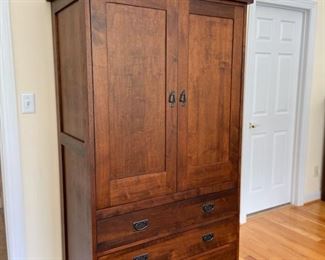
141, 257
208, 207
141, 225
208, 237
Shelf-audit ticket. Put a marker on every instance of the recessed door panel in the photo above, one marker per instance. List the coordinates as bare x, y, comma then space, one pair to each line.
137, 90
210, 119
258, 163
284, 83
262, 84
209, 90
135, 72
280, 162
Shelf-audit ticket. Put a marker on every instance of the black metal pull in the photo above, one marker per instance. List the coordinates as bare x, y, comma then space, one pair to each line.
141, 257
172, 99
208, 237
182, 98
208, 207
141, 225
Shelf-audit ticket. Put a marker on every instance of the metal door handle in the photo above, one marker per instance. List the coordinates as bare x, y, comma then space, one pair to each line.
182, 98
172, 99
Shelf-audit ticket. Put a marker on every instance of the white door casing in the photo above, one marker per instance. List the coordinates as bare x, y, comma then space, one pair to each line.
10, 144
273, 116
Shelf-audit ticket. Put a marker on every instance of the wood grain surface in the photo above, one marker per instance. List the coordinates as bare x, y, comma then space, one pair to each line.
164, 220
125, 152
135, 70
185, 245
210, 60
287, 233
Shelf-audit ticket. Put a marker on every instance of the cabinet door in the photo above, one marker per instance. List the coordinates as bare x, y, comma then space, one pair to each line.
135, 72
210, 75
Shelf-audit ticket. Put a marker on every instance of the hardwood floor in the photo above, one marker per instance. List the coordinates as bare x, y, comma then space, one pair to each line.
288, 233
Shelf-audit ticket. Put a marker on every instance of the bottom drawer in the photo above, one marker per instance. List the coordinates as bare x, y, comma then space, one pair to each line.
202, 242
227, 252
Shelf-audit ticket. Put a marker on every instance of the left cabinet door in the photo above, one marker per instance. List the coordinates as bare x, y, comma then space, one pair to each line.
135, 76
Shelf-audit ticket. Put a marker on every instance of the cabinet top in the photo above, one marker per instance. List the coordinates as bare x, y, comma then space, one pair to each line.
236, 1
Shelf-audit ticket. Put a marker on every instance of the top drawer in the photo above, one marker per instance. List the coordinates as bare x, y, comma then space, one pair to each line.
149, 224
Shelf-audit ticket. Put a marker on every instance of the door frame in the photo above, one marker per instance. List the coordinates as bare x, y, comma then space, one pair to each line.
10, 143
308, 8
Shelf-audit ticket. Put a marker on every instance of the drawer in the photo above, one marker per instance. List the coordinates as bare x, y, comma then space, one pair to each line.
213, 241
226, 252
150, 224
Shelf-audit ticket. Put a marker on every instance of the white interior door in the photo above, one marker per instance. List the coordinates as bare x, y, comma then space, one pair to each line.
270, 104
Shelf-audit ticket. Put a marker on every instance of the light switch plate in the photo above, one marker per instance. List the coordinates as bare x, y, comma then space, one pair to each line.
27, 103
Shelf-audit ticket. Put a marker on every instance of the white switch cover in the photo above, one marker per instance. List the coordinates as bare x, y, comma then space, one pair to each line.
27, 103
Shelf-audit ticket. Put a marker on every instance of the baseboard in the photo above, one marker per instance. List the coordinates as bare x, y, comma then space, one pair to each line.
312, 196
242, 219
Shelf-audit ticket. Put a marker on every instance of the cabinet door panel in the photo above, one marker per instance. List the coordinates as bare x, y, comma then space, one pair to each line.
134, 72
136, 85
210, 73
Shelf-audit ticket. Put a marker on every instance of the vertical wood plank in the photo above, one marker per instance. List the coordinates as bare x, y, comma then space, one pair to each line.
172, 74
101, 101
182, 86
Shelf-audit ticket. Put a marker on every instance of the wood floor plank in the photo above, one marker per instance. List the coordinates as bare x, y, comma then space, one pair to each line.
299, 225
286, 233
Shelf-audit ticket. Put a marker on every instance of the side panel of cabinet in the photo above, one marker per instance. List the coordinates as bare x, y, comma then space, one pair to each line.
74, 105
210, 73
77, 205
135, 69
71, 71
323, 177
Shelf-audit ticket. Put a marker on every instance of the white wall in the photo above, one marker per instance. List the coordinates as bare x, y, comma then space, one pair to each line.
32, 39
33, 57
317, 112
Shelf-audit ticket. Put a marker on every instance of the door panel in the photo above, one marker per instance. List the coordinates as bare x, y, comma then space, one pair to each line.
209, 99
271, 97
136, 85
209, 122
135, 125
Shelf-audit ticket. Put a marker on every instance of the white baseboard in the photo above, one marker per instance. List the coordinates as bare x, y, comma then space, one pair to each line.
242, 219
312, 196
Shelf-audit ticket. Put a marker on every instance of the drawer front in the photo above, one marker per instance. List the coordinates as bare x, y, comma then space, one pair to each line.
200, 242
227, 252
150, 224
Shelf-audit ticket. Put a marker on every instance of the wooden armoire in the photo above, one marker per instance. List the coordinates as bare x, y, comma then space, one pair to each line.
149, 102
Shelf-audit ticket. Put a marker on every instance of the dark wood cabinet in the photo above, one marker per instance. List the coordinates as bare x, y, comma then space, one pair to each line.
149, 101
323, 176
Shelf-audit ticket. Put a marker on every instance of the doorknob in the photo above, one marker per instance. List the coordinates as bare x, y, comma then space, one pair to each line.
252, 126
